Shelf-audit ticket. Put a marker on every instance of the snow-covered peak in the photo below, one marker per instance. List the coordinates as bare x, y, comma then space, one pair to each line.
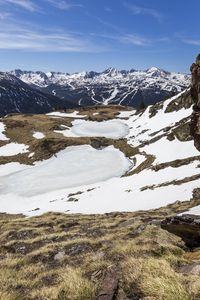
154, 71
110, 86
110, 72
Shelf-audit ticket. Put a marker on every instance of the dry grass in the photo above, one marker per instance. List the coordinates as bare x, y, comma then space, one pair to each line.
57, 256
153, 277
20, 129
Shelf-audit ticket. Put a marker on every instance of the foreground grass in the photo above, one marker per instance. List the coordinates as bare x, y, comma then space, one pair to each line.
57, 256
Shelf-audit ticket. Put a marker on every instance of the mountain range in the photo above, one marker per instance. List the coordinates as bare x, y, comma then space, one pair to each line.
39, 92
108, 87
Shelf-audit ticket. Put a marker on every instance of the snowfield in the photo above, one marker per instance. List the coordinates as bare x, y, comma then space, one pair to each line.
114, 194
114, 129
177, 150
81, 179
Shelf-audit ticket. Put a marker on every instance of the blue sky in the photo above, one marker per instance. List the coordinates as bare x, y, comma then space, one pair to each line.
77, 35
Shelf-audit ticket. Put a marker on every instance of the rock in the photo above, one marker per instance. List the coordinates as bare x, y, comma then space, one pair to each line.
59, 256
195, 93
109, 286
78, 249
186, 226
193, 269
96, 275
137, 231
195, 129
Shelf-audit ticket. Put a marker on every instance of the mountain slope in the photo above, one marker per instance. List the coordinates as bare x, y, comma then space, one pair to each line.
131, 88
18, 97
153, 149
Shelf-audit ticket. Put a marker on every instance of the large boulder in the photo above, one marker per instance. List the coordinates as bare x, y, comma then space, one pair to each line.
186, 226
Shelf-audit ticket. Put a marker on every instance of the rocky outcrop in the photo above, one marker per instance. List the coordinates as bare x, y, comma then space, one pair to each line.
186, 226
195, 93
195, 128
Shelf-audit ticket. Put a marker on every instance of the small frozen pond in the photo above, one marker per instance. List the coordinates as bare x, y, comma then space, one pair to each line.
74, 166
114, 129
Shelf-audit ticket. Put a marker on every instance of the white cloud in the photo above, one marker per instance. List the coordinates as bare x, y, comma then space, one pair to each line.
26, 4
139, 10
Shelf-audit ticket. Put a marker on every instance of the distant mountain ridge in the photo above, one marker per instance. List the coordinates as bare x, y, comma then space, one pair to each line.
18, 97
111, 86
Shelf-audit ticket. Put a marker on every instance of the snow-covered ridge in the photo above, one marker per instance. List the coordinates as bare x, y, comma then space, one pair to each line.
108, 87
42, 79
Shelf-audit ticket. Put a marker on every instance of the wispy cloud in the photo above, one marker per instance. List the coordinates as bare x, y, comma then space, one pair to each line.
26, 4
25, 37
135, 39
31, 5
195, 42
140, 10
63, 5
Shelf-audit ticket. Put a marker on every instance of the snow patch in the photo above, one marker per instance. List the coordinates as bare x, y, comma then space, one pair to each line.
2, 135
74, 114
38, 135
13, 149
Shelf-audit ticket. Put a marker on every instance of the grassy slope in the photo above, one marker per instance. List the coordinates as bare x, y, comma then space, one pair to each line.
57, 256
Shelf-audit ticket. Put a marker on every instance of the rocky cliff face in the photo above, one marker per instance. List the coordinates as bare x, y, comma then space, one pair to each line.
195, 129
195, 93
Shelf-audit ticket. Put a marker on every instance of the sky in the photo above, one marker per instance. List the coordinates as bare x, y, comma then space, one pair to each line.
84, 35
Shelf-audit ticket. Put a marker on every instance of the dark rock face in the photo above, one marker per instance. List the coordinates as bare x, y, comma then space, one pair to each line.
195, 128
195, 93
186, 226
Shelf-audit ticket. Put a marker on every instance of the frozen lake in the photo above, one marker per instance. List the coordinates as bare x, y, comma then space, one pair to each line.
74, 166
114, 129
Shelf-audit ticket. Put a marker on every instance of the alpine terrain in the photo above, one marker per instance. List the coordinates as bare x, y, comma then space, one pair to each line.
134, 88
84, 196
